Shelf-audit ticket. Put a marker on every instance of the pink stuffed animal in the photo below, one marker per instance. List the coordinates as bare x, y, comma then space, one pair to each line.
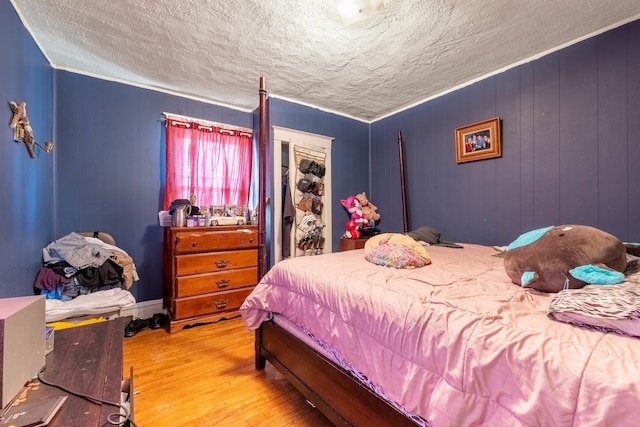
353, 206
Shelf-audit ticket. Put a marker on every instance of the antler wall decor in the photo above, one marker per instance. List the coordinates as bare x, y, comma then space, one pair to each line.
22, 130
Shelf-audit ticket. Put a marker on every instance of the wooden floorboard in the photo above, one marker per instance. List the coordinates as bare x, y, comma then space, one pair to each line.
205, 376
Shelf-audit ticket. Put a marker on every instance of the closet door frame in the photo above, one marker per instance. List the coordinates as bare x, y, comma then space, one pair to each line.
289, 137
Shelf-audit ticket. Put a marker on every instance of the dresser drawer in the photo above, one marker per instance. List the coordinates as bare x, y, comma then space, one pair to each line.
213, 282
208, 272
215, 261
202, 305
203, 240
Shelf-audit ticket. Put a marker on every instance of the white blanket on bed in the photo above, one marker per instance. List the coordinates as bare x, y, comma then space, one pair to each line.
456, 342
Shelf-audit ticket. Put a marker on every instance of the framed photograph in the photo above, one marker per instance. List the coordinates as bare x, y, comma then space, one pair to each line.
478, 141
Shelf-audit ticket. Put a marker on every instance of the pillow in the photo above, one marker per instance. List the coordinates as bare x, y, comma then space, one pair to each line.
567, 256
395, 250
605, 308
632, 248
426, 234
431, 236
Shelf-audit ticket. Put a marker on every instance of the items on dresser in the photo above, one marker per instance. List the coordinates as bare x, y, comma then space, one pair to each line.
208, 272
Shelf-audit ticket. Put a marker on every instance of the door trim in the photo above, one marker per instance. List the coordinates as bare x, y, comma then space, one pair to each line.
281, 137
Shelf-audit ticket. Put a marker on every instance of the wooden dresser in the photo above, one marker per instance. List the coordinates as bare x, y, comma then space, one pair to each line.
351, 244
208, 272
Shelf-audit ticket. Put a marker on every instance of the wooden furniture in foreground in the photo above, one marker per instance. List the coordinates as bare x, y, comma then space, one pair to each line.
85, 359
324, 384
208, 272
350, 244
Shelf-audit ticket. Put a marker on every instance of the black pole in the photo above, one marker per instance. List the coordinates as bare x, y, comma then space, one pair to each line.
405, 220
262, 181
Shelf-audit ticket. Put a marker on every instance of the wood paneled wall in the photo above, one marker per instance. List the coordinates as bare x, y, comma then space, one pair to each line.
26, 184
570, 126
111, 160
570, 122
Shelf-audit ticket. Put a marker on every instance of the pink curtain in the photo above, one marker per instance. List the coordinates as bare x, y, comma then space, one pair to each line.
213, 161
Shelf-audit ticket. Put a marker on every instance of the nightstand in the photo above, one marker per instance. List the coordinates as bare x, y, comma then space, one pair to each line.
350, 244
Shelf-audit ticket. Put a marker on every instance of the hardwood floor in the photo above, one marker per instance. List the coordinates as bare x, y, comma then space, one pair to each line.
205, 376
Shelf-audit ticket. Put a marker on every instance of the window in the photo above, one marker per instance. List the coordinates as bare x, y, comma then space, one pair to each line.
212, 161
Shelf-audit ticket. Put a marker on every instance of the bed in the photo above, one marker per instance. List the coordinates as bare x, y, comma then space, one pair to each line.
454, 343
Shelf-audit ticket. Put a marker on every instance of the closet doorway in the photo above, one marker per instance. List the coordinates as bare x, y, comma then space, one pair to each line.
302, 193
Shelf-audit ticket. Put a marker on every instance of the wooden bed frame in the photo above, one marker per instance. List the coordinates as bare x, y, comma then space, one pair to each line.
325, 385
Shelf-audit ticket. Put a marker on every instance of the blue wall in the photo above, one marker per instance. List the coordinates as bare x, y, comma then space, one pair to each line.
570, 126
26, 184
111, 159
569, 123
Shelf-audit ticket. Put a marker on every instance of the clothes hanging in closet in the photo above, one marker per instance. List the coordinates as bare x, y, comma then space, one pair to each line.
309, 200
288, 216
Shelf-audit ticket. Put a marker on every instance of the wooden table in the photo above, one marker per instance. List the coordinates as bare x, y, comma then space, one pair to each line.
85, 359
350, 244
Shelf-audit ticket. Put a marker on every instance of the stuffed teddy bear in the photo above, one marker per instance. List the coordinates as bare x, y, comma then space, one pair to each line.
352, 205
369, 210
566, 256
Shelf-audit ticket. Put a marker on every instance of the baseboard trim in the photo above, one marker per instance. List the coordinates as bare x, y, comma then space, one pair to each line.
143, 310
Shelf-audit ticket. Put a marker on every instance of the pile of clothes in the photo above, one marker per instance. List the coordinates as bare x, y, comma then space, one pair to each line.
78, 265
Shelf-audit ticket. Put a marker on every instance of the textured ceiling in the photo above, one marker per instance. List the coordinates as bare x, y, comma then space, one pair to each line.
216, 50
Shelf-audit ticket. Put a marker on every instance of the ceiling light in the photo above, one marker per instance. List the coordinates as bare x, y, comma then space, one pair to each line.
352, 11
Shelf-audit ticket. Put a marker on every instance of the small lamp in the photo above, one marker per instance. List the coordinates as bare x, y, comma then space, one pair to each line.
352, 11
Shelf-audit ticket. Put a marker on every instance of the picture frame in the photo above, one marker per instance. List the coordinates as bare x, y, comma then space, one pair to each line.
478, 141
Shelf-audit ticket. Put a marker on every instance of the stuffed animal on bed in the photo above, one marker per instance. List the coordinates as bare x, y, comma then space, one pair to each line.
396, 250
566, 256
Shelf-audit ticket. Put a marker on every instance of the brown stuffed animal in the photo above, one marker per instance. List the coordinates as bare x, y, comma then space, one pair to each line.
566, 256
369, 210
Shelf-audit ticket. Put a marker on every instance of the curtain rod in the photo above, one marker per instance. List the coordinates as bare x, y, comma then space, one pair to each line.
203, 122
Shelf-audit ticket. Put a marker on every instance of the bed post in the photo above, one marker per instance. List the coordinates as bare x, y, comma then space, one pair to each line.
405, 221
262, 177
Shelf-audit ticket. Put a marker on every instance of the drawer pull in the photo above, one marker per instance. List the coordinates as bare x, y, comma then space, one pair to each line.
221, 304
222, 263
223, 283
194, 244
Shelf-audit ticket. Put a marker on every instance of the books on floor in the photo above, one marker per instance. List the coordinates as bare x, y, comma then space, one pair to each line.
32, 414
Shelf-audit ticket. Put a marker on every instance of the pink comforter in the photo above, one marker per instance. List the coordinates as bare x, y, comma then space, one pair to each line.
456, 342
